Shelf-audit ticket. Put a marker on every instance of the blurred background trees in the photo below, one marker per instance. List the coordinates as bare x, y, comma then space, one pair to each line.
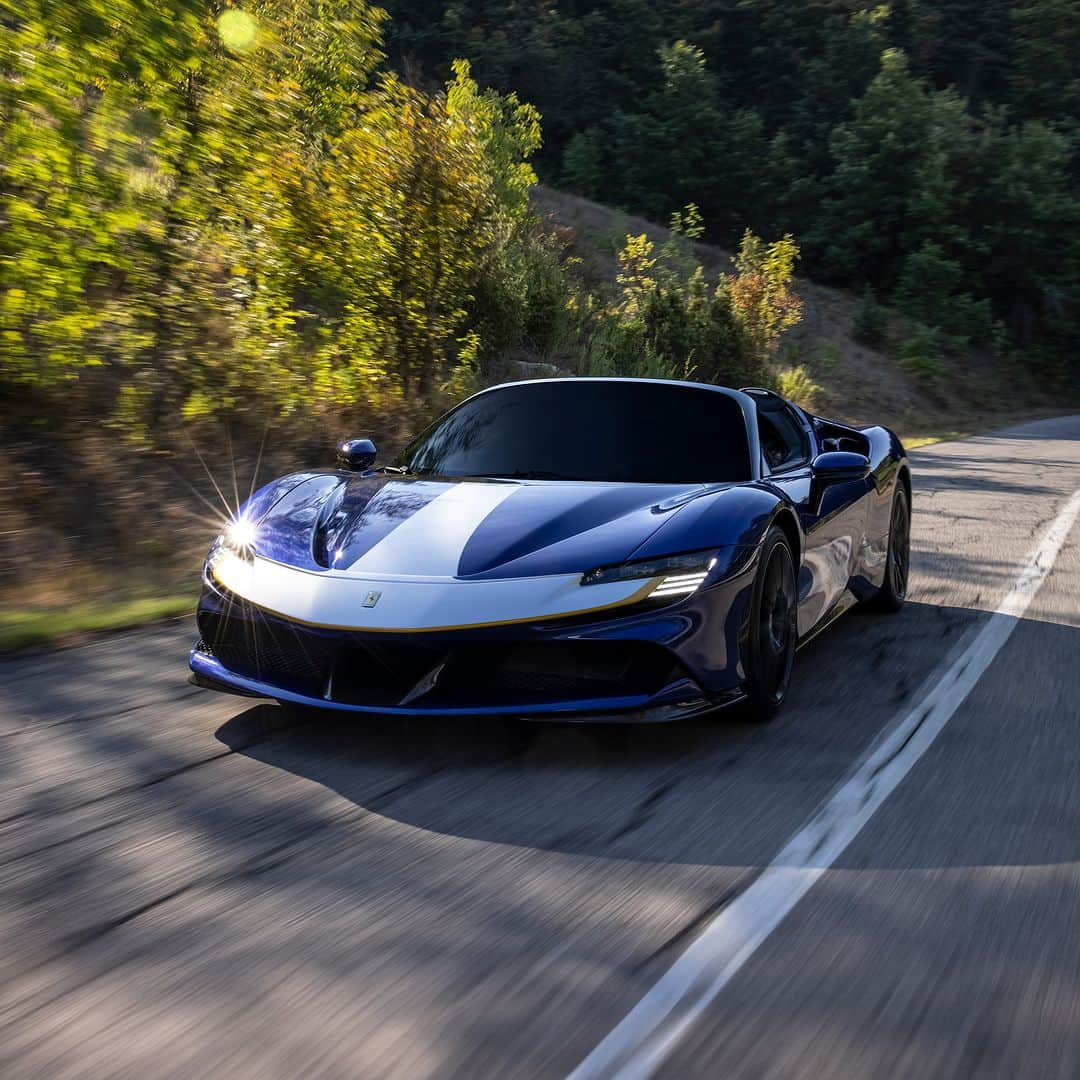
203, 203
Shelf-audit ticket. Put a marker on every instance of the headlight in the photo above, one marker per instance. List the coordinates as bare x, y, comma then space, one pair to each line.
239, 536
237, 539
680, 574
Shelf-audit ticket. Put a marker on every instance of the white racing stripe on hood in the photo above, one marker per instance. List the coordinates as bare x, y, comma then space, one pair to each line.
430, 542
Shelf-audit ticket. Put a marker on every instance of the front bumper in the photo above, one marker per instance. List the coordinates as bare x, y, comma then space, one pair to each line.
667, 664
211, 676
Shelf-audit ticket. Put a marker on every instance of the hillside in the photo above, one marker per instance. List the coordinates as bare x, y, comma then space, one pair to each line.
858, 383
929, 151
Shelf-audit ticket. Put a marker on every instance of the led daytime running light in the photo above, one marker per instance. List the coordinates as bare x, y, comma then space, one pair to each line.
680, 586
678, 574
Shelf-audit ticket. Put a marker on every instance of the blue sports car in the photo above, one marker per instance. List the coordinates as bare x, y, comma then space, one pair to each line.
566, 548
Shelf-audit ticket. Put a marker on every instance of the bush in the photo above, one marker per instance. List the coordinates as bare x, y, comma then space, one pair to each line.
828, 360
526, 295
871, 325
622, 348
928, 291
761, 291
663, 321
796, 384
921, 356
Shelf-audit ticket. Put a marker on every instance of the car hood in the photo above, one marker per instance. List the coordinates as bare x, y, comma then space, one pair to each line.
382, 525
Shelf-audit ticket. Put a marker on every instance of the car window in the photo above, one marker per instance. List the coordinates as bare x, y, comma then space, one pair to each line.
577, 429
784, 443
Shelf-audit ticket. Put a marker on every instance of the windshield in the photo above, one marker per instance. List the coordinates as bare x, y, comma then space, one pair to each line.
581, 430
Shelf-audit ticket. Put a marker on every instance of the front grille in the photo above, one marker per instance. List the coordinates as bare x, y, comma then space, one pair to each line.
270, 651
374, 672
552, 671
262, 657
388, 670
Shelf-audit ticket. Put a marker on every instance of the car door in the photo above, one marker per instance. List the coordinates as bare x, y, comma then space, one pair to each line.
833, 518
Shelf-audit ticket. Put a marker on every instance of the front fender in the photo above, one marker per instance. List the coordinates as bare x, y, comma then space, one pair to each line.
734, 517
887, 459
261, 502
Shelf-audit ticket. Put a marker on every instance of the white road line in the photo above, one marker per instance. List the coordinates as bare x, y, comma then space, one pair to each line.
646, 1036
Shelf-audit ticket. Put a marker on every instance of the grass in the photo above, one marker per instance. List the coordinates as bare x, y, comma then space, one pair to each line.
917, 441
26, 626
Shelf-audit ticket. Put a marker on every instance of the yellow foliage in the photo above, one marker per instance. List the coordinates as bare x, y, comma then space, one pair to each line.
796, 385
761, 289
636, 268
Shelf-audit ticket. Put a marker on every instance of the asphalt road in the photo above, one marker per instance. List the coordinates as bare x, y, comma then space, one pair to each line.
192, 884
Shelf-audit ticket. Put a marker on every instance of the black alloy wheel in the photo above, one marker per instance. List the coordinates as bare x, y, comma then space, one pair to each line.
893, 591
772, 632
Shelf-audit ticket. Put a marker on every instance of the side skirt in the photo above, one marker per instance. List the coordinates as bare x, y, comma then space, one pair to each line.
845, 603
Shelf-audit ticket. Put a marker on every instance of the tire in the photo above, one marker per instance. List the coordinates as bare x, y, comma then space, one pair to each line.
772, 628
893, 592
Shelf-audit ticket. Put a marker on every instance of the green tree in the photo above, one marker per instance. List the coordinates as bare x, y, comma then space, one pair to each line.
871, 325
414, 196
892, 182
206, 206
967, 44
931, 291
1028, 220
1045, 79
582, 165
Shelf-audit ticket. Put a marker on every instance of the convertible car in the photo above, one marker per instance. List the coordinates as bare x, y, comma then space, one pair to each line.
579, 549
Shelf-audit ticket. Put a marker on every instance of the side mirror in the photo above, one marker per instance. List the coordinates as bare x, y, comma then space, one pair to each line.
356, 454
840, 466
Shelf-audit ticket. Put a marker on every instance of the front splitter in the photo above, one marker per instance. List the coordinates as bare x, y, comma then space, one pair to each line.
210, 674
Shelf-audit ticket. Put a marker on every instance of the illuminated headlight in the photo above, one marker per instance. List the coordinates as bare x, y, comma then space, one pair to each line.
679, 575
239, 536
236, 540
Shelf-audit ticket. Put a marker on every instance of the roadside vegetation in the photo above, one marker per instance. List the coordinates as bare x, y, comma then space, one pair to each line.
24, 627
922, 152
230, 235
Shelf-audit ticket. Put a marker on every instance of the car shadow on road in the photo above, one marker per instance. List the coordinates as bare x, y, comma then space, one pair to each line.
719, 791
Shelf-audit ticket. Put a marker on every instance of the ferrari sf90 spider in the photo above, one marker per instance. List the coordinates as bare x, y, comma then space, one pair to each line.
565, 548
